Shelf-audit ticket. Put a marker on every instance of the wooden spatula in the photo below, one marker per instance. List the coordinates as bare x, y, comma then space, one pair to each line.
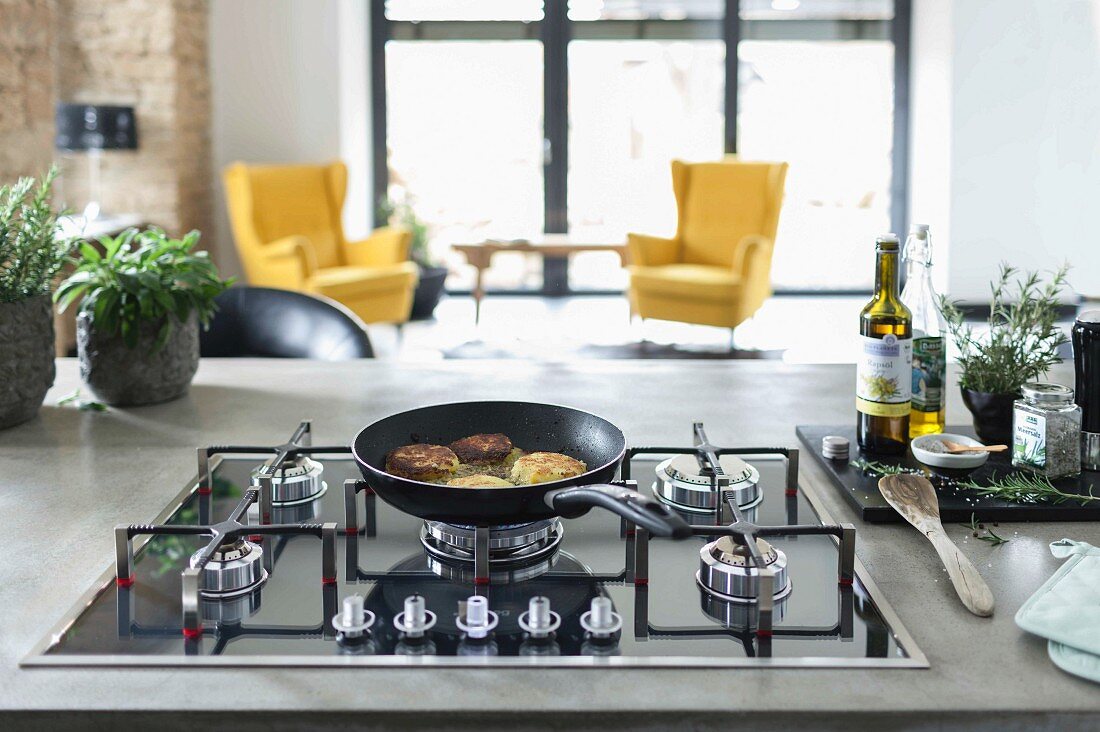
956, 447
915, 499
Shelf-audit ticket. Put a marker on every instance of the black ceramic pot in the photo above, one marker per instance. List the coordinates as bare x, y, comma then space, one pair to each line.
428, 293
129, 377
992, 415
26, 357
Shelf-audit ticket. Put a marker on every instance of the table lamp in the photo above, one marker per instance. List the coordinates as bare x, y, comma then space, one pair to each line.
93, 129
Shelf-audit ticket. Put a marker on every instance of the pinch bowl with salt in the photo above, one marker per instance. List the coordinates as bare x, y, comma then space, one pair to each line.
930, 450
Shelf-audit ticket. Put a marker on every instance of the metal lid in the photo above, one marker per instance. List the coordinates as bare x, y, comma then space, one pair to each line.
1043, 391
1089, 317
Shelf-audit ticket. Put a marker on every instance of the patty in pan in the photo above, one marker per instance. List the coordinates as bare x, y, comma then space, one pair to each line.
482, 449
427, 463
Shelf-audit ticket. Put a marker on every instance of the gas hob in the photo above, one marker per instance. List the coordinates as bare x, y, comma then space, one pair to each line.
283, 556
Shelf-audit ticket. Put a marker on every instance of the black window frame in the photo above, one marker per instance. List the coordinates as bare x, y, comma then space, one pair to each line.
556, 30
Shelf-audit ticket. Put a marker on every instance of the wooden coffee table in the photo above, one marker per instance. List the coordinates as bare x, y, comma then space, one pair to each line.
554, 249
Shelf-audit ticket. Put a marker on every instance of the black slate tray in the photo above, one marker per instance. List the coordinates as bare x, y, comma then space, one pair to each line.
956, 504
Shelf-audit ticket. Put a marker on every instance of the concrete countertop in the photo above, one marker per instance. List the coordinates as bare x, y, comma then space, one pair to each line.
68, 476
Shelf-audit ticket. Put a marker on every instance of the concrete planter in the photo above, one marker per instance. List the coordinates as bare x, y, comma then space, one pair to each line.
26, 357
130, 377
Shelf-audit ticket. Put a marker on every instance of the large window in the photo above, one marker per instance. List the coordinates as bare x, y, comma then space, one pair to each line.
506, 118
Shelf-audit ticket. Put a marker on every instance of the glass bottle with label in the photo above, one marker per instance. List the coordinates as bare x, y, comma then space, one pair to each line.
885, 362
929, 359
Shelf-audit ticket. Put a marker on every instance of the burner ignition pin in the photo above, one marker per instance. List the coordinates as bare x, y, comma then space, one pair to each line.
601, 620
354, 620
416, 619
479, 619
539, 621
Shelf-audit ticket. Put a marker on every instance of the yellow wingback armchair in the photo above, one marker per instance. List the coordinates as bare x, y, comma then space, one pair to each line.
716, 270
286, 224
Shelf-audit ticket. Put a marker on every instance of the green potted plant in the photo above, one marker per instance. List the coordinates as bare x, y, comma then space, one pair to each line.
429, 289
141, 302
31, 253
1019, 344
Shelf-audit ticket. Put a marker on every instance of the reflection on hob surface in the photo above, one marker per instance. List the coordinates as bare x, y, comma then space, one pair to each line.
569, 589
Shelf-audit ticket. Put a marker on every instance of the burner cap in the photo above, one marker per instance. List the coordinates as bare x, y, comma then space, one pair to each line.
684, 469
234, 569
297, 480
728, 551
682, 483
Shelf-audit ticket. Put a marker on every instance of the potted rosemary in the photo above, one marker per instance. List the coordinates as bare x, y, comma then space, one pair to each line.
1018, 344
31, 253
143, 299
429, 289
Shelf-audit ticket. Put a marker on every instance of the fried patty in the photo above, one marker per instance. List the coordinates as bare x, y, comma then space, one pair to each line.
543, 467
422, 462
482, 449
480, 481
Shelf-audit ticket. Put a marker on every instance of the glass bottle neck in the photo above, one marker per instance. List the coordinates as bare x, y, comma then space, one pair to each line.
886, 275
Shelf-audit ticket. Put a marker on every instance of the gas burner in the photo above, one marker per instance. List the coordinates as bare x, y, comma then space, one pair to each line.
727, 570
521, 570
295, 481
234, 569
687, 482
528, 546
502, 539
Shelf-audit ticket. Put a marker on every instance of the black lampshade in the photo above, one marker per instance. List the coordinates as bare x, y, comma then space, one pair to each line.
95, 127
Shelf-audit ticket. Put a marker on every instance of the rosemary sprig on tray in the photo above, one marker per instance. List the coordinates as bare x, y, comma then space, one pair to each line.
1026, 488
876, 468
989, 536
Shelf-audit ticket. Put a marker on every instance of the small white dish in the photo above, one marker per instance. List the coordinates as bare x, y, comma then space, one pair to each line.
959, 461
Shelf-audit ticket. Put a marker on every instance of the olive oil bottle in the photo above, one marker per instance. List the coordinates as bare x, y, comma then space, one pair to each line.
884, 369
929, 360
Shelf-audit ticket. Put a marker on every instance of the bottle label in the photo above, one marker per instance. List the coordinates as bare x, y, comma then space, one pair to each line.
1029, 439
884, 376
929, 364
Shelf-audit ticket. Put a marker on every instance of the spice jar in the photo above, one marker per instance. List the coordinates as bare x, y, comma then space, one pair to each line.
1046, 429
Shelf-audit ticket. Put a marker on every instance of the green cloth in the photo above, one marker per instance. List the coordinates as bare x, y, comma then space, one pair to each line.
1066, 610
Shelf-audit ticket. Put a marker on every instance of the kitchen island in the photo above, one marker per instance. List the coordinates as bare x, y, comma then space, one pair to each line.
69, 476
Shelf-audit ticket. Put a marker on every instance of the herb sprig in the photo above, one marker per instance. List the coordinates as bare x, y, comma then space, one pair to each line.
1021, 338
989, 536
31, 249
84, 405
876, 468
1027, 488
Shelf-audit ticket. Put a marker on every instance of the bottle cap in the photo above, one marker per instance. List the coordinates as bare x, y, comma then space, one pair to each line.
918, 229
887, 242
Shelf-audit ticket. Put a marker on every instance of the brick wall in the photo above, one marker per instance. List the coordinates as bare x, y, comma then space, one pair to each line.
147, 53
28, 83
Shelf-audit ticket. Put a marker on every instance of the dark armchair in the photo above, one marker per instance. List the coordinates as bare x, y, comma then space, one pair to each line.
259, 321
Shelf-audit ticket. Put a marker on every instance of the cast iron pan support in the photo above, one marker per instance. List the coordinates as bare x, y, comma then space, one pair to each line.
573, 503
745, 532
220, 534
300, 443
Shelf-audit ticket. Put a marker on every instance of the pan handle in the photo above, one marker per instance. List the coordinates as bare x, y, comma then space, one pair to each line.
647, 512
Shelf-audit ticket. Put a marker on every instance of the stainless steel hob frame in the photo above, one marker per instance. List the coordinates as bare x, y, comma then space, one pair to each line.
210, 458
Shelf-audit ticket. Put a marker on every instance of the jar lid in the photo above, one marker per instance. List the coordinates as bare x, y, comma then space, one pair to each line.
1089, 317
1043, 391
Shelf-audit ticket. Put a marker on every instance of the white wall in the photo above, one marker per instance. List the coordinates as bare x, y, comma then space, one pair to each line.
280, 94
1023, 125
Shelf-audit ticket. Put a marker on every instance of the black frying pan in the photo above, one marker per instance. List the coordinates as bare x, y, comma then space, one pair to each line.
533, 427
